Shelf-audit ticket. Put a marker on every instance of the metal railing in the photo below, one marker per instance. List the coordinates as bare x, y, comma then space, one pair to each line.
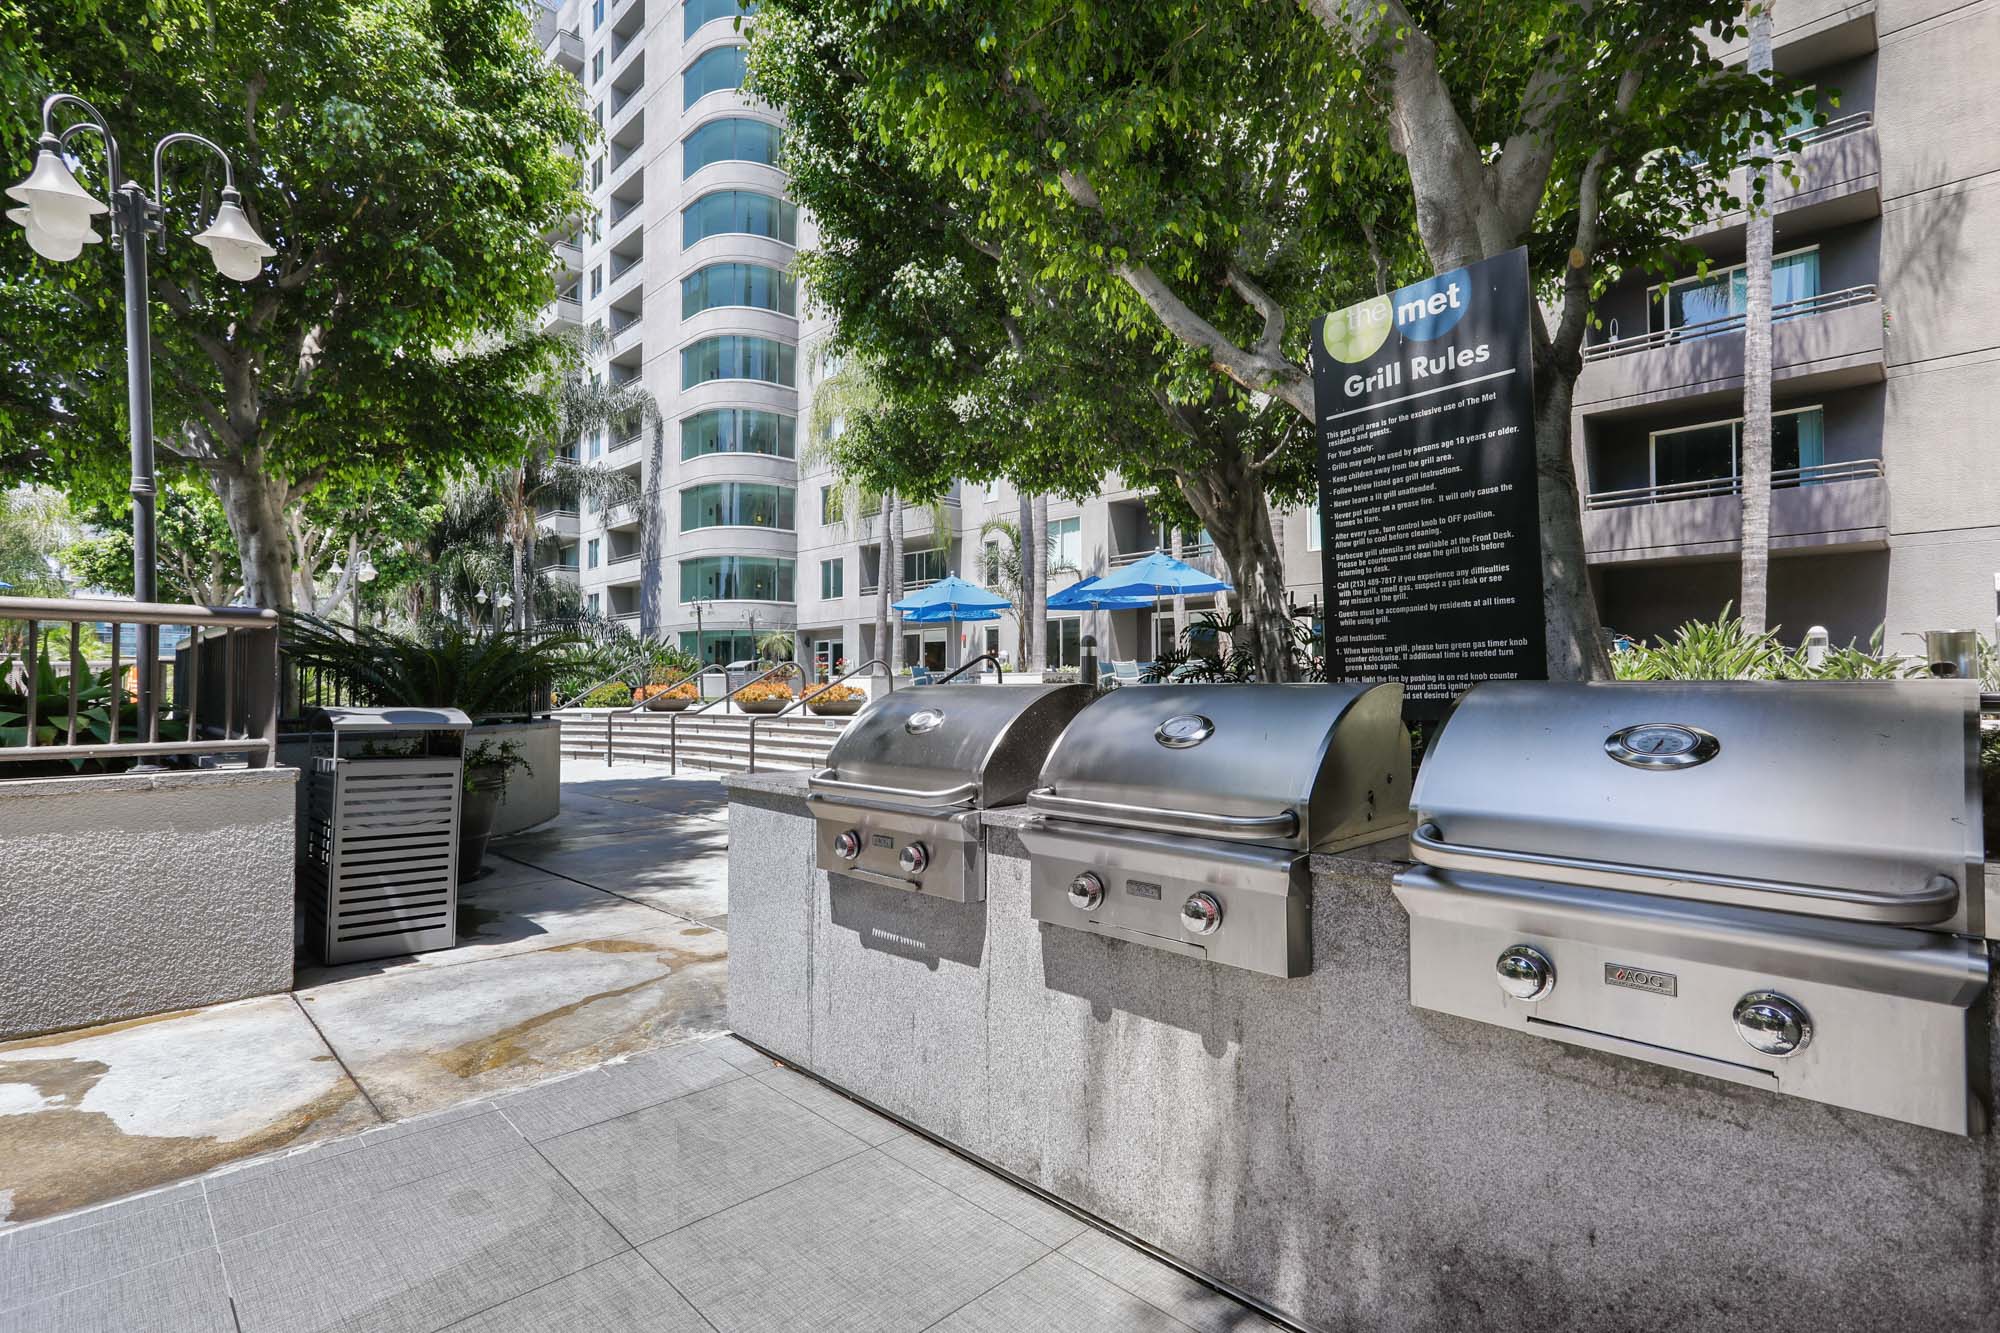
806, 697
1709, 328
999, 671
1784, 478
674, 722
225, 682
1838, 127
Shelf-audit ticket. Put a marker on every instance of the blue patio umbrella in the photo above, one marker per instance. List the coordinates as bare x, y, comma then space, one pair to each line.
951, 600
1159, 575
1086, 595
940, 615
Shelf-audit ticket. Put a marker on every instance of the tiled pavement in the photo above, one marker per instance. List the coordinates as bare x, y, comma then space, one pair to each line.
697, 1188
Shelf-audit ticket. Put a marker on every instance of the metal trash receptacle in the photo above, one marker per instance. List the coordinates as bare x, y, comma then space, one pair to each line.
378, 847
738, 674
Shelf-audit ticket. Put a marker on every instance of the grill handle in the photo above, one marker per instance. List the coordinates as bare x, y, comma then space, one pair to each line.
1937, 901
1283, 824
824, 780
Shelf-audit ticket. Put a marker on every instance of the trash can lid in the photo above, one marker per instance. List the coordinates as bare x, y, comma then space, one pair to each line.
345, 719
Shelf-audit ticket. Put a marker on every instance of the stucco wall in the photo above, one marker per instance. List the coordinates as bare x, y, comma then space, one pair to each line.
1321, 1145
530, 799
133, 894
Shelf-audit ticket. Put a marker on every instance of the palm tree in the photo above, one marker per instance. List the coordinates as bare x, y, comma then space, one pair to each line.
1755, 466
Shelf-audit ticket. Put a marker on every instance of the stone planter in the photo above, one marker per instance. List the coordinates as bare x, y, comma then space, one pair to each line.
836, 707
764, 706
477, 812
669, 703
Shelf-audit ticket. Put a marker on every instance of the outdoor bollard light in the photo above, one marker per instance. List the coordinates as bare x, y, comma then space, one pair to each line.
57, 214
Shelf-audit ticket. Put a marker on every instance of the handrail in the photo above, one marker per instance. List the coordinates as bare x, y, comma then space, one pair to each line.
674, 724
1283, 823
994, 658
617, 675
1805, 305
248, 697
823, 780
676, 683
803, 698
1935, 902
1784, 478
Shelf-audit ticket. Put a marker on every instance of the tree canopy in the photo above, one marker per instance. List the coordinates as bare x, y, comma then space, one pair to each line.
409, 160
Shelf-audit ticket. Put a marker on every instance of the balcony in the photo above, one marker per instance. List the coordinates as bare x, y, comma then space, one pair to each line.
566, 49
563, 573
1843, 504
622, 569
563, 315
918, 521
1829, 341
1839, 168
569, 258
560, 522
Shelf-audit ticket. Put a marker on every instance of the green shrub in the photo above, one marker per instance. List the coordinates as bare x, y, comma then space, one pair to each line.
611, 695
444, 665
1724, 649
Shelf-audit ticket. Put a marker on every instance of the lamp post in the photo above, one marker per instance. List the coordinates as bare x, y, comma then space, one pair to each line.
57, 215
700, 649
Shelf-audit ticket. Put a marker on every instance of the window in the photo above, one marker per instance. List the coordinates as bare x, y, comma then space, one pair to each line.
756, 285
993, 489
1724, 294
593, 554
566, 558
712, 72
990, 563
832, 508
1314, 532
735, 357
736, 504
754, 578
832, 578
597, 443
734, 139
597, 280
1065, 641
1709, 452
925, 566
597, 65
743, 211
1066, 544
597, 167
737, 430
594, 604
992, 640
596, 14
596, 227
707, 11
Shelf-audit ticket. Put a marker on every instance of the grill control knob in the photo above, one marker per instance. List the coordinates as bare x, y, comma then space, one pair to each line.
1201, 914
1772, 1024
914, 859
1086, 891
1525, 973
847, 846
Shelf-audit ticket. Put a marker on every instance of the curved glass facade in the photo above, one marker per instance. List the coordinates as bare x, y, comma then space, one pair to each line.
744, 212
732, 139
756, 285
712, 72
707, 11
757, 578
736, 357
738, 430
736, 504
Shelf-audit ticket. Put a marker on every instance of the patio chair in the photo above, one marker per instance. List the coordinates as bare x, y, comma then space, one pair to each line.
1125, 673
920, 674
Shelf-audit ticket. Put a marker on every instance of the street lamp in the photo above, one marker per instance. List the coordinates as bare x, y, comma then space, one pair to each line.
57, 214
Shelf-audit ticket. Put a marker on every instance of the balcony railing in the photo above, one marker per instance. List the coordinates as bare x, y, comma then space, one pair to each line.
1856, 469
1838, 126
566, 49
224, 687
1189, 554
1709, 328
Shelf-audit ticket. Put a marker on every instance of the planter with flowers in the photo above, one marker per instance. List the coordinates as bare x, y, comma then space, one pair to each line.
667, 698
835, 700
765, 696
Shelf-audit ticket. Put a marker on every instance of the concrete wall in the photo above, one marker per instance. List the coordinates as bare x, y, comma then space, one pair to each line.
1326, 1148
531, 798
128, 894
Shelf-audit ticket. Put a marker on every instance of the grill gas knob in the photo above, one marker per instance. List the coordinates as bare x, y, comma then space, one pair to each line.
1772, 1024
1086, 891
1201, 914
914, 859
1525, 973
847, 846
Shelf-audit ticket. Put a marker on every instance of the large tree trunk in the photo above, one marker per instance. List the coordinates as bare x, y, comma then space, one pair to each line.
1038, 587
882, 649
1031, 575
255, 501
1230, 502
1574, 636
892, 577
520, 586
1754, 467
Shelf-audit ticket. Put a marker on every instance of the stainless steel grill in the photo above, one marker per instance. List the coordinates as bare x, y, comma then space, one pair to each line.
1184, 817
1776, 884
898, 802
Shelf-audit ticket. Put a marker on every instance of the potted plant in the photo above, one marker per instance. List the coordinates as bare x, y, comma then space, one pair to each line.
835, 700
667, 698
487, 768
765, 696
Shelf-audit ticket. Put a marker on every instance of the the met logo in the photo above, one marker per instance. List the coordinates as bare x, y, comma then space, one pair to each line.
1420, 312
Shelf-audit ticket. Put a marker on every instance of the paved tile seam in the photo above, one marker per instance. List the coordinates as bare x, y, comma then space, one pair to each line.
982, 1295
667, 1278
610, 893
338, 1058
706, 1217
10, 1313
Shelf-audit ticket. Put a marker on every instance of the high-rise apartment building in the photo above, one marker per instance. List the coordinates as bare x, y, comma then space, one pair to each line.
686, 268
1886, 504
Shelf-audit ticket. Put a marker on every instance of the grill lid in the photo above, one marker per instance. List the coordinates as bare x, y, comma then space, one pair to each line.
1851, 799
1298, 766
978, 743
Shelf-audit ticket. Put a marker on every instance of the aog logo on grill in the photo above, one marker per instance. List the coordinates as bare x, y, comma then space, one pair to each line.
1639, 978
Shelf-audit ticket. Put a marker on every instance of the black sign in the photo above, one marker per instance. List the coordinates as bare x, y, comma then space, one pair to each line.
1430, 531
